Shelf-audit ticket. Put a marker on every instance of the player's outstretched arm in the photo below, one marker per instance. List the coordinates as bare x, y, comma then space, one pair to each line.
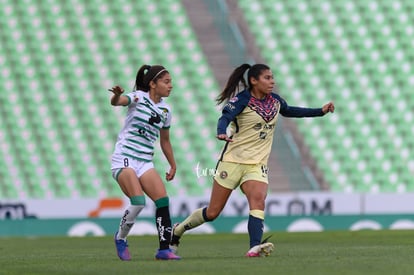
117, 99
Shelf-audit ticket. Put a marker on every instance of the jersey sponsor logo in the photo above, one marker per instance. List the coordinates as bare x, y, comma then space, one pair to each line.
145, 130
265, 126
155, 118
230, 106
257, 126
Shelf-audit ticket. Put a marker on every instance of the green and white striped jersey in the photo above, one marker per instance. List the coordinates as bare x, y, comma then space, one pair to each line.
142, 126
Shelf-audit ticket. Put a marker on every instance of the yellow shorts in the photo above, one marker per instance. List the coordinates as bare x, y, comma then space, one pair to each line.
231, 175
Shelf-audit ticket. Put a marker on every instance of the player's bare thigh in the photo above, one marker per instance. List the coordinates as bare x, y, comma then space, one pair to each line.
129, 182
153, 185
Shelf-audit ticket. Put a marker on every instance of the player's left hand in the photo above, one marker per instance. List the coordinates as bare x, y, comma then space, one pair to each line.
171, 174
328, 107
224, 137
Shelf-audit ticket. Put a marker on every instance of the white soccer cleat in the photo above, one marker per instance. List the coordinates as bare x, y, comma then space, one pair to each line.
261, 250
174, 248
175, 240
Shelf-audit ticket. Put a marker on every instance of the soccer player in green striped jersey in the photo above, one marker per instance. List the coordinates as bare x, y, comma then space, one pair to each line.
148, 118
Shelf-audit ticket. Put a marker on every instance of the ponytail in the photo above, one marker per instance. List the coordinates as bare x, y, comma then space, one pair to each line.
238, 76
233, 83
139, 80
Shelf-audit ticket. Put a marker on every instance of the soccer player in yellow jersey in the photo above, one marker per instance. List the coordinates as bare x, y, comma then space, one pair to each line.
247, 125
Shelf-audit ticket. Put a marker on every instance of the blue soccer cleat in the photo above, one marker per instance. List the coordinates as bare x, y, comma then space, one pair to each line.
122, 249
166, 254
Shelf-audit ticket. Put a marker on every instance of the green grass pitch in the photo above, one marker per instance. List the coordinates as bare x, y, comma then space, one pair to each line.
342, 252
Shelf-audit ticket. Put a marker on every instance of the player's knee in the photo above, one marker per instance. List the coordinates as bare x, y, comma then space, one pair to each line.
257, 201
258, 205
210, 214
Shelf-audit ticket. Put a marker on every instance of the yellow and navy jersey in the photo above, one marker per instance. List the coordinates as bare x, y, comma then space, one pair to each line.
251, 123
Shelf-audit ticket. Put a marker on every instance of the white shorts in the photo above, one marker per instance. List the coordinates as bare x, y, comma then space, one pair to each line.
120, 162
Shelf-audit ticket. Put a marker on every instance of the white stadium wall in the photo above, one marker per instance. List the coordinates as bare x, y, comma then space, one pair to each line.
284, 212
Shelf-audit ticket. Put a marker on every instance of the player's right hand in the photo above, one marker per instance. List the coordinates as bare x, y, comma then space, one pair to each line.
117, 90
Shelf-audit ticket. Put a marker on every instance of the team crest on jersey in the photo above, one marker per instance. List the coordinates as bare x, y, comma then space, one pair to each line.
223, 174
136, 99
164, 112
233, 99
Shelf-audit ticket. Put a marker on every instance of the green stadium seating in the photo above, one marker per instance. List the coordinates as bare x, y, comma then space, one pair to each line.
59, 57
59, 128
356, 50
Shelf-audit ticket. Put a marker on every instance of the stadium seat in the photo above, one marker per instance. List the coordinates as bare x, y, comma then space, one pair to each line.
62, 57
344, 34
